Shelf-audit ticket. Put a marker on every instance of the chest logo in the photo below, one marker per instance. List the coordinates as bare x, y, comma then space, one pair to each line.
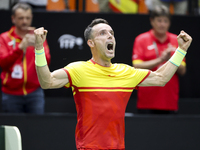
112, 75
150, 47
17, 72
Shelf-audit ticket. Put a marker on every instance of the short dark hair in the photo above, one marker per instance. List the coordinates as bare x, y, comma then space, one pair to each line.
160, 10
88, 30
21, 5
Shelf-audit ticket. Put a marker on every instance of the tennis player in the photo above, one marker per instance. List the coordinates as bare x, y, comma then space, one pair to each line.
101, 89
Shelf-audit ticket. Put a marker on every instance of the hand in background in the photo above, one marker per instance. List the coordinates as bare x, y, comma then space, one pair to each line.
166, 54
28, 40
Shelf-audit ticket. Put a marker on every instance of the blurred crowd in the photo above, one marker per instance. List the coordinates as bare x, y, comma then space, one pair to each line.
176, 7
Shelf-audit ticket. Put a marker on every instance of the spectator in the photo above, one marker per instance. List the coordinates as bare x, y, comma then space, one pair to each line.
158, 47
4, 4
21, 91
104, 6
35, 4
180, 6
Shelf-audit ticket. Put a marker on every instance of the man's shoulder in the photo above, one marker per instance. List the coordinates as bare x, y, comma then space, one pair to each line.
121, 65
8, 33
4, 34
77, 64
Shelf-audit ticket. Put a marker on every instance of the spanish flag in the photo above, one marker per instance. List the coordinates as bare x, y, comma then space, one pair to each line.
124, 6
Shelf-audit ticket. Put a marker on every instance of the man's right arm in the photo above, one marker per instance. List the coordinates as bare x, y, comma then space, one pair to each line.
47, 79
51, 80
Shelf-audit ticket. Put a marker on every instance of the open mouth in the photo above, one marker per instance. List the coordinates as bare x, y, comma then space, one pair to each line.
110, 46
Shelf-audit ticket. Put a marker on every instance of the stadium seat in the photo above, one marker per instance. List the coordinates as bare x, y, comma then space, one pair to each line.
91, 6
58, 5
10, 138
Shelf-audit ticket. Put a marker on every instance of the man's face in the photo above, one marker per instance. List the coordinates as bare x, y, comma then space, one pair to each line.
22, 19
160, 24
104, 41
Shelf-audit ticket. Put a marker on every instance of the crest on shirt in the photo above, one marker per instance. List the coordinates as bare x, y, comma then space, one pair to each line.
135, 56
12, 43
151, 47
17, 72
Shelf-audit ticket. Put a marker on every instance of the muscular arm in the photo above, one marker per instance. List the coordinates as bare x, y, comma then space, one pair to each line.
161, 76
47, 79
155, 62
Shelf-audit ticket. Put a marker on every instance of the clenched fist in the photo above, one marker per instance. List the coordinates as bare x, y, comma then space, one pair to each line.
40, 37
184, 40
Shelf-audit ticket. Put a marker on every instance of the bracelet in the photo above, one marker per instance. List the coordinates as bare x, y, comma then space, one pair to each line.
40, 58
177, 57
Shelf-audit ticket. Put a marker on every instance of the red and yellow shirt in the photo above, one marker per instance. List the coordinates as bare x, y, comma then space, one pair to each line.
101, 95
160, 98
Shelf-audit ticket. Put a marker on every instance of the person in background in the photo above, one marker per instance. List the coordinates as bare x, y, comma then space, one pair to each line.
104, 6
35, 4
21, 91
180, 7
150, 51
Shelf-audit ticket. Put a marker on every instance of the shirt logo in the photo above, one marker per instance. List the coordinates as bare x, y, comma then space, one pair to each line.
12, 43
135, 56
68, 41
17, 72
112, 75
150, 47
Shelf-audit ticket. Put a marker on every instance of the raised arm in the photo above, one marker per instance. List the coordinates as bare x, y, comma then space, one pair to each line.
161, 76
47, 79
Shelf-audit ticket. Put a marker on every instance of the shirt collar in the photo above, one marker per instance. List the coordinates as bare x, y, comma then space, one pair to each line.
99, 64
156, 40
12, 33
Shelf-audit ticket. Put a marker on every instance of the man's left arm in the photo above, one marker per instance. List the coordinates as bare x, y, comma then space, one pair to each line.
161, 76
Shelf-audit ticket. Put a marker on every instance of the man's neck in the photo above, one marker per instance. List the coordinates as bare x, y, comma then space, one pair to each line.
160, 37
102, 62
